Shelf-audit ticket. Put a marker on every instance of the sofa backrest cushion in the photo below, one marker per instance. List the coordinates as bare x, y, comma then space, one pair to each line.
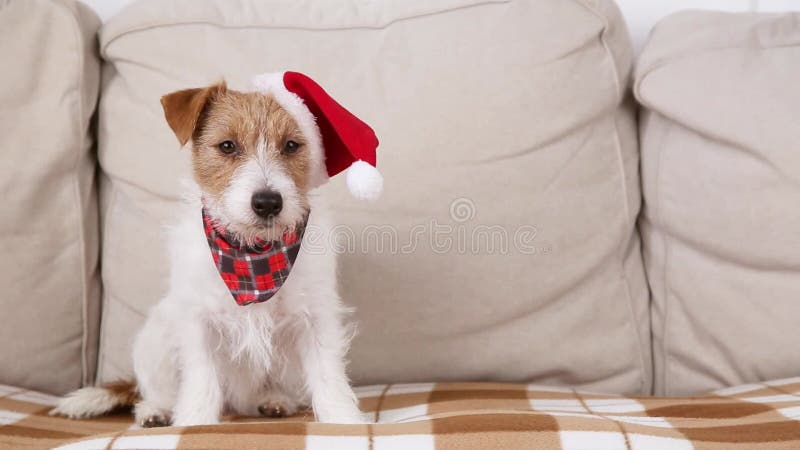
504, 247
49, 279
721, 176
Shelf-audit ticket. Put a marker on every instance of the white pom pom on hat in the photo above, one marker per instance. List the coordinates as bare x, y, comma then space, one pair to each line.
347, 142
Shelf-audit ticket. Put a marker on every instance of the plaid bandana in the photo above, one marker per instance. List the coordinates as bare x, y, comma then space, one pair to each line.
253, 273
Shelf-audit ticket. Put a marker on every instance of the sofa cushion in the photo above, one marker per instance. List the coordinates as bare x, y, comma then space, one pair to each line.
49, 282
721, 176
504, 246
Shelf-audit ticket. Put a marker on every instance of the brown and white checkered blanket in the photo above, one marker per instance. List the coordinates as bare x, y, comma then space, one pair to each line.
452, 416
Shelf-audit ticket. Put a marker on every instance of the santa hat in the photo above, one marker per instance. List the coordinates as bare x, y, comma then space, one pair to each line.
342, 139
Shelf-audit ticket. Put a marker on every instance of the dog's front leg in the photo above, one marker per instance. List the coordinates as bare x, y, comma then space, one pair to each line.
199, 395
322, 353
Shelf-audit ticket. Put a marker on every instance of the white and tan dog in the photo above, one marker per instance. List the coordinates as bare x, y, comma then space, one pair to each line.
256, 158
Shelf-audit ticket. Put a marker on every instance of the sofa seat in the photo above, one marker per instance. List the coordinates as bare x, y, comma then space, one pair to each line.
451, 416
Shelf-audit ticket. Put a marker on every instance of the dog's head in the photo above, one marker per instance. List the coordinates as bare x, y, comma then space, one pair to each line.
250, 158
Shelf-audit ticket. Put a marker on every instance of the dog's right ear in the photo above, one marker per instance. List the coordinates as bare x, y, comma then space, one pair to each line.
182, 109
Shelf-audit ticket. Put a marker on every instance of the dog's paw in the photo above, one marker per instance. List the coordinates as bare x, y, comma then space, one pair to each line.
154, 421
151, 416
277, 405
273, 410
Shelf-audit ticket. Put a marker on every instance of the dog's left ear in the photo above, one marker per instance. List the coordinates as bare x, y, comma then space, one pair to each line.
182, 109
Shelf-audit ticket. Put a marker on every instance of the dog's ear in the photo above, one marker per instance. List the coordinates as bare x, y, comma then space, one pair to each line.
182, 109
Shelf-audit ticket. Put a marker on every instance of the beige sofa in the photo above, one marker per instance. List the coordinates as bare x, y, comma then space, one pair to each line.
532, 229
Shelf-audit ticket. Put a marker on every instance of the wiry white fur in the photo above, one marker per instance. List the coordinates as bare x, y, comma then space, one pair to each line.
200, 354
86, 402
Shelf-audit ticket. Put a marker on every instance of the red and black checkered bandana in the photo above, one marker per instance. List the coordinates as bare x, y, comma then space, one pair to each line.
256, 272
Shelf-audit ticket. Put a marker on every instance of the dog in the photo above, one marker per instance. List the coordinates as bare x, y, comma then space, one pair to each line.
256, 163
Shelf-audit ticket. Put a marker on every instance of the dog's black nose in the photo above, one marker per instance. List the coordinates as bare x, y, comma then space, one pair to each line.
266, 203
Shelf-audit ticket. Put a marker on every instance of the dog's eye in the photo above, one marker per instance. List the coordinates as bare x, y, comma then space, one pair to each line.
290, 147
227, 147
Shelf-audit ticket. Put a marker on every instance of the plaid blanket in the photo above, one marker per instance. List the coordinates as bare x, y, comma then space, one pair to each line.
451, 416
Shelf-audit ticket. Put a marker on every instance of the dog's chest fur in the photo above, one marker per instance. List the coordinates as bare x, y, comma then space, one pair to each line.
256, 335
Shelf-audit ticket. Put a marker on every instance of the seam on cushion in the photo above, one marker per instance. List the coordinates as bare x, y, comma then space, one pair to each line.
101, 348
674, 57
711, 135
659, 63
623, 252
664, 61
665, 258
620, 95
81, 139
632, 324
151, 26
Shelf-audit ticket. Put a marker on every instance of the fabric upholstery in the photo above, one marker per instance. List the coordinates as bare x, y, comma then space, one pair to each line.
504, 247
49, 281
721, 177
450, 416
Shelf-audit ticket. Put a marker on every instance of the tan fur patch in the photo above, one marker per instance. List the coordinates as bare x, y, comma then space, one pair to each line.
245, 118
125, 391
183, 108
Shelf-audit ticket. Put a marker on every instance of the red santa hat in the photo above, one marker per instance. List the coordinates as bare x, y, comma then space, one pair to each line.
342, 140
